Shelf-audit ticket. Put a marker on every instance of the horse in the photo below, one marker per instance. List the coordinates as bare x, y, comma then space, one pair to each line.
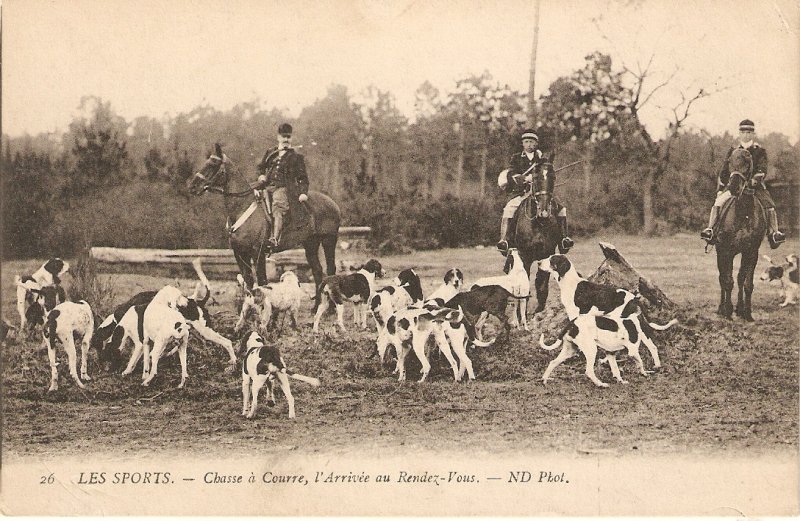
741, 228
249, 226
537, 233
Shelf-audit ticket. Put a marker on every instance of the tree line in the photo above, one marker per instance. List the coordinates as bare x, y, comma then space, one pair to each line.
424, 183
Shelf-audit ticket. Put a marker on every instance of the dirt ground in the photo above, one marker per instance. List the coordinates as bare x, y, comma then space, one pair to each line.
725, 385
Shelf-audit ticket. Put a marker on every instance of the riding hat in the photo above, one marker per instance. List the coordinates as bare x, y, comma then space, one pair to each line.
747, 125
285, 129
529, 133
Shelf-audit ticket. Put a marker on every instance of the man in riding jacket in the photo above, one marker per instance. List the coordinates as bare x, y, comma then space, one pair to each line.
519, 174
283, 176
747, 132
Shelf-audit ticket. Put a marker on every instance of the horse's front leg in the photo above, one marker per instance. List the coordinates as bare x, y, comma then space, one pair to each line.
542, 284
245, 268
261, 268
311, 247
747, 270
725, 268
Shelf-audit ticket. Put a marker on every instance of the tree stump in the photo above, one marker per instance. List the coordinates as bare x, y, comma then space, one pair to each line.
617, 271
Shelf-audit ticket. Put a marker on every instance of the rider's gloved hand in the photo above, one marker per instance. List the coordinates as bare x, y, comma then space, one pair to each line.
303, 198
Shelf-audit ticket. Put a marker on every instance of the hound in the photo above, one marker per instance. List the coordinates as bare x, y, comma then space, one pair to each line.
262, 364
587, 333
411, 328
480, 302
787, 274
49, 274
192, 308
583, 297
352, 287
406, 290
453, 281
516, 281
152, 327
268, 301
65, 322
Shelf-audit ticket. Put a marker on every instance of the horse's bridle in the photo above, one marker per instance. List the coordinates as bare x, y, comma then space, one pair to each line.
209, 181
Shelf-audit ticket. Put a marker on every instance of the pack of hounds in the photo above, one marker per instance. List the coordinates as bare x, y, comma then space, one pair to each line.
602, 320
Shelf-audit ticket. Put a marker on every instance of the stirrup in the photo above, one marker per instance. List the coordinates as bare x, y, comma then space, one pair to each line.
707, 235
565, 244
272, 242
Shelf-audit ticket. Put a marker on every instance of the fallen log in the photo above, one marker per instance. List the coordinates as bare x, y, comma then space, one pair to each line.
617, 271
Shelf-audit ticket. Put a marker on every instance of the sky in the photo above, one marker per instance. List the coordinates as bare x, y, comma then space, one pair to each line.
157, 58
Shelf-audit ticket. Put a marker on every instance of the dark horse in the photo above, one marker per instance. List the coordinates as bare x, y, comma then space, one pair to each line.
537, 232
742, 226
249, 235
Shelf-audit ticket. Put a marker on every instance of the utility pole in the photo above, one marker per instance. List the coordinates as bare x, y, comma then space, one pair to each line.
532, 80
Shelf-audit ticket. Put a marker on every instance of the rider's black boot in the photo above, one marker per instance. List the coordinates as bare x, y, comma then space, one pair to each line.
774, 235
505, 226
708, 234
565, 243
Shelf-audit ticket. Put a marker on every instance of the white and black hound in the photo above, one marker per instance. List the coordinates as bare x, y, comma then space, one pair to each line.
192, 308
152, 327
63, 324
589, 333
787, 273
517, 282
263, 364
582, 298
410, 328
48, 275
453, 282
406, 290
350, 287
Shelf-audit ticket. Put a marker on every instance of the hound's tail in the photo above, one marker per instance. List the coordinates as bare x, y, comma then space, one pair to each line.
653, 325
550, 347
659, 327
310, 380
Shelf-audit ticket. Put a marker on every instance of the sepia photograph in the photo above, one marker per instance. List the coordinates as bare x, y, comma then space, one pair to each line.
530, 258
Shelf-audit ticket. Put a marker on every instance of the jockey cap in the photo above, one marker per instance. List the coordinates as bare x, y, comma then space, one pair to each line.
747, 126
529, 134
285, 129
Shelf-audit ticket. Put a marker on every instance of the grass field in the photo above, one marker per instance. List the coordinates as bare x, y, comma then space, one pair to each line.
725, 385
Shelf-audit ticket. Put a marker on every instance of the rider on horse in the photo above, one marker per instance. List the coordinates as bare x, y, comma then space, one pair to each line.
283, 177
759, 169
517, 179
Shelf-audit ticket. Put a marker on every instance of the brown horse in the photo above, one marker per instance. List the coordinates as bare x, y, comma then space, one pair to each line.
741, 228
249, 224
537, 232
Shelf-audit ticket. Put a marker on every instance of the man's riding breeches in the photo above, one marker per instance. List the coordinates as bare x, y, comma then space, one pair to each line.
761, 194
722, 196
280, 200
511, 207
764, 196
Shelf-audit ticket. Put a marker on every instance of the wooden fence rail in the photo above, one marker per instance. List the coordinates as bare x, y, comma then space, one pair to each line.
218, 264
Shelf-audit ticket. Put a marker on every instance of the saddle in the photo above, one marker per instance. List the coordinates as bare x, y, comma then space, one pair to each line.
298, 223
726, 206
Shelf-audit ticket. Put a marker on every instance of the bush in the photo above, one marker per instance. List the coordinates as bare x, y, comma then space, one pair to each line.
86, 285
